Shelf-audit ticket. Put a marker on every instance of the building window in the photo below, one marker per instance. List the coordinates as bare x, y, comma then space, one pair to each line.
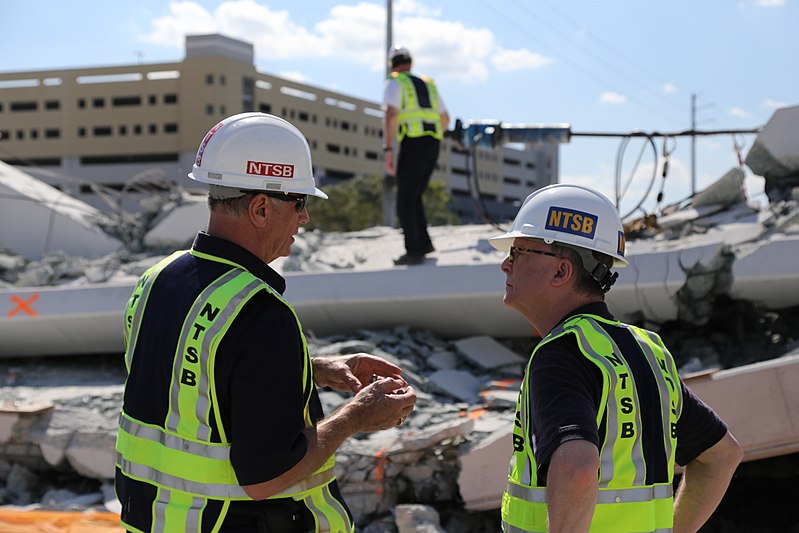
24, 106
101, 131
98, 102
52, 105
209, 109
52, 133
1, 108
122, 130
265, 108
221, 79
222, 110
152, 100
82, 103
171, 98
81, 132
34, 134
333, 148
209, 79
20, 135
152, 128
126, 101
137, 129
303, 116
170, 127
3, 135
345, 125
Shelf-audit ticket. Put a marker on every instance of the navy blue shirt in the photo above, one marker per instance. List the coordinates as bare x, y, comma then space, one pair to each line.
566, 388
258, 380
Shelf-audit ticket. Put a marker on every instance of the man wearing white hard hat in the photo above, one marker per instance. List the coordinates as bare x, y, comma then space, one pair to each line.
221, 427
602, 416
415, 117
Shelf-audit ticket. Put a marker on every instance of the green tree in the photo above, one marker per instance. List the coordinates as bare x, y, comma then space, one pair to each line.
357, 204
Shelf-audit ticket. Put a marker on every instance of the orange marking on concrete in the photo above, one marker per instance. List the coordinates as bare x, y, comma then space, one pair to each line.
382, 459
23, 305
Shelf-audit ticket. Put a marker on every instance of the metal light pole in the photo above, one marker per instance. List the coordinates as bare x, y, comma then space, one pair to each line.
693, 144
388, 181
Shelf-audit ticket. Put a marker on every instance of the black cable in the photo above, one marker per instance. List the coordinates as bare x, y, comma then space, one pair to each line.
474, 185
617, 178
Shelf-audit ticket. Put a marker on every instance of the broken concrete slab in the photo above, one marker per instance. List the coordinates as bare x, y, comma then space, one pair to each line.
483, 470
458, 384
775, 152
414, 518
53, 220
486, 352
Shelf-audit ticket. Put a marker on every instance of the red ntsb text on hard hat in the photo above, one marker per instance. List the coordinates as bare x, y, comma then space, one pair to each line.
274, 170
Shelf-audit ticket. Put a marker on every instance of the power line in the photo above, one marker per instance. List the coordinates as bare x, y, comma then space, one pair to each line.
577, 66
597, 57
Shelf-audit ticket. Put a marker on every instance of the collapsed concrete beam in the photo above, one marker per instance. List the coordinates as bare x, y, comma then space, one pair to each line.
53, 221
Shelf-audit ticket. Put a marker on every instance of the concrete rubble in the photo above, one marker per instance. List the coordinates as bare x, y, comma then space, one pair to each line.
717, 278
444, 470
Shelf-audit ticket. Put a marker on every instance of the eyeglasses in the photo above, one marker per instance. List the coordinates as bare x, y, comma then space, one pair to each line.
516, 249
300, 200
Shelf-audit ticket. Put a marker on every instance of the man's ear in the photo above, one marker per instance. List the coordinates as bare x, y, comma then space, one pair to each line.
564, 273
259, 210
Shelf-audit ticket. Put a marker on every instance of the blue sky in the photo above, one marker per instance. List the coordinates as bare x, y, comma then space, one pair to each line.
598, 65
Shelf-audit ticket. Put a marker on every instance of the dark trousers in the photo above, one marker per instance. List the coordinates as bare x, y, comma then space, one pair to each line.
416, 163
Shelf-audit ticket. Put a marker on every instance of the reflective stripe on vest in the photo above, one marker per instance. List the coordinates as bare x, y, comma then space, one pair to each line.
179, 457
624, 502
418, 114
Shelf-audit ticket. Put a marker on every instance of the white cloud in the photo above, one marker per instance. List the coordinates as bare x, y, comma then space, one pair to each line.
773, 104
510, 60
669, 88
738, 112
184, 18
412, 7
613, 98
350, 32
771, 3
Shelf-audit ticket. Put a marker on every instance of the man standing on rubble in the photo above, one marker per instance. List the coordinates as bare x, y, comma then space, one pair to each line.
221, 427
415, 113
602, 415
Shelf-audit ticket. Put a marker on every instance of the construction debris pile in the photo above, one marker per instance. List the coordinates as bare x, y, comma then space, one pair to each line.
445, 467
716, 277
58, 424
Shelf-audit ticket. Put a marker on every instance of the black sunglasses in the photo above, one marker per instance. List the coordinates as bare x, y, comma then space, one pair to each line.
516, 249
300, 200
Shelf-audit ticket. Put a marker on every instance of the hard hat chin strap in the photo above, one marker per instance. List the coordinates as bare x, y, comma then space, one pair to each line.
603, 276
599, 271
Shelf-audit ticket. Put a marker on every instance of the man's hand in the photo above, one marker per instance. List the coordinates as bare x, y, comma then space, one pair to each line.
352, 372
383, 404
388, 163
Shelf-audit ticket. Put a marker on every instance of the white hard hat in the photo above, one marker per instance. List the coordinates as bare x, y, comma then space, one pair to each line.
571, 215
255, 151
398, 52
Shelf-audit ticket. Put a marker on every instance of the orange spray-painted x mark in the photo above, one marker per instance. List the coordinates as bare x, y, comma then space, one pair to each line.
23, 305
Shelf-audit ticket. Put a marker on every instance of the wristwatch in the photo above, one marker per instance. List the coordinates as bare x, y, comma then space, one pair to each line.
386, 148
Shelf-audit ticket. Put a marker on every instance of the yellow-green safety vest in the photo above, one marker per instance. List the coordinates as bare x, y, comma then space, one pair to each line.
625, 503
178, 456
413, 120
